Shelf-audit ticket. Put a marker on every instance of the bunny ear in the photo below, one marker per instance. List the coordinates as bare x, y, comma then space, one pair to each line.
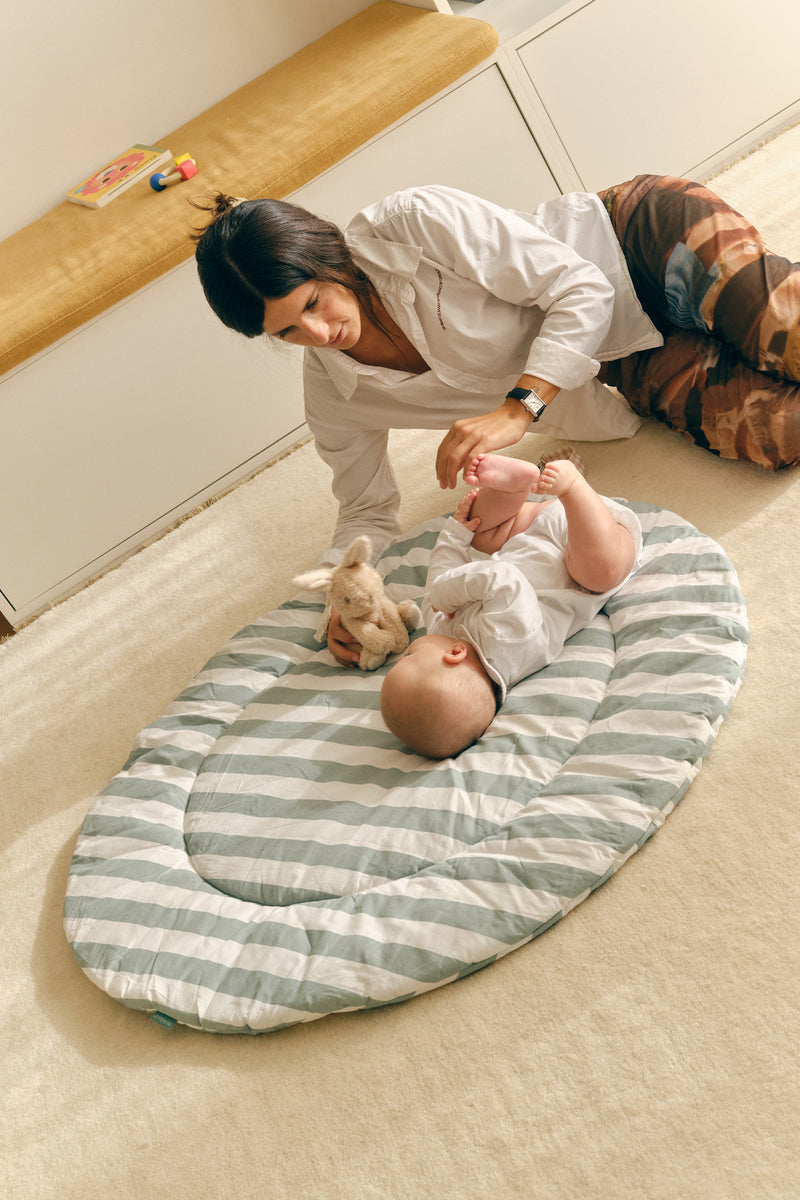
359, 551
314, 581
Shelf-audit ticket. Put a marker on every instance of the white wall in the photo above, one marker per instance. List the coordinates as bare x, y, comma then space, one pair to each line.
81, 80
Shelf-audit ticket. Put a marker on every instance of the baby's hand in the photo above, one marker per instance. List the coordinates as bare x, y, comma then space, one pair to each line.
464, 508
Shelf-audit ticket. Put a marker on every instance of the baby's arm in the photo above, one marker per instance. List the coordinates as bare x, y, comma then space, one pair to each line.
503, 592
451, 549
445, 559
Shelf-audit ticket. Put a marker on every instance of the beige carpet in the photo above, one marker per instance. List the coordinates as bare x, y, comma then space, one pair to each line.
645, 1048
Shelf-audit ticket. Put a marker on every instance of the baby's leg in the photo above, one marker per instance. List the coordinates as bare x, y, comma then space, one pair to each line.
505, 484
600, 551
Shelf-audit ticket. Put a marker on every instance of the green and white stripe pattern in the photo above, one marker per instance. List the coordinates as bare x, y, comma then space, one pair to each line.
270, 854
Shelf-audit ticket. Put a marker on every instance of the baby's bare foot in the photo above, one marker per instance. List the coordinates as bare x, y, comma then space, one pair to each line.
502, 474
558, 477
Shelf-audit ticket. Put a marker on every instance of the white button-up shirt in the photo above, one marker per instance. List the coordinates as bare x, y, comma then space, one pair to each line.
486, 295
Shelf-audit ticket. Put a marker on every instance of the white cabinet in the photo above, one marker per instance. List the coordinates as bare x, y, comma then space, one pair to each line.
473, 138
121, 428
638, 86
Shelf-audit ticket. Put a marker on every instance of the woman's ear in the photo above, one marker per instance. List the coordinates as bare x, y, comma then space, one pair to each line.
456, 654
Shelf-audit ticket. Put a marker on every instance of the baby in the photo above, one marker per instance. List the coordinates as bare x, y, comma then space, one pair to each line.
494, 620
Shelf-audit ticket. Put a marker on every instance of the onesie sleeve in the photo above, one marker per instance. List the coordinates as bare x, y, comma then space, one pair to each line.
451, 550
509, 604
515, 259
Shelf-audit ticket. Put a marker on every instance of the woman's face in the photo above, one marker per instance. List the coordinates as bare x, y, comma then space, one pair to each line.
315, 314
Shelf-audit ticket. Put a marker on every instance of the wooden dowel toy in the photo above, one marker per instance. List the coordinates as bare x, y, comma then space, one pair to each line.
183, 168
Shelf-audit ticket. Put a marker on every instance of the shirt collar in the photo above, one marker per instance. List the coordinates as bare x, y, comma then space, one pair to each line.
343, 370
388, 265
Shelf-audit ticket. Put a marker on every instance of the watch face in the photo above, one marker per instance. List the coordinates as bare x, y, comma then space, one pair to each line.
529, 399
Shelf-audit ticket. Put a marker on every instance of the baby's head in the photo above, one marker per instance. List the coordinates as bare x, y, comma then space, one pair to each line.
437, 699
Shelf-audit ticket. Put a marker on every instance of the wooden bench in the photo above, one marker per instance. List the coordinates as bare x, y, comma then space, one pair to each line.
268, 138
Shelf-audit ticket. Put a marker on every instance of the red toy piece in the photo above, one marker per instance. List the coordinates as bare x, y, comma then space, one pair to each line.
183, 168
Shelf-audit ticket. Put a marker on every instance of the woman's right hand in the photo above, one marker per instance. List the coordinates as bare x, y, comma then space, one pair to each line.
479, 435
342, 645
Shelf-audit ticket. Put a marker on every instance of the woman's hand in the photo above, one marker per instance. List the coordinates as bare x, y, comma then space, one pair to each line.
342, 645
479, 435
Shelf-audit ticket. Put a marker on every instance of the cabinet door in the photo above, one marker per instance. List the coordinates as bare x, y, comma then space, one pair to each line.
473, 137
121, 428
675, 88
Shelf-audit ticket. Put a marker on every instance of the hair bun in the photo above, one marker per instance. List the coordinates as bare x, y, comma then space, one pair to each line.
223, 203
218, 205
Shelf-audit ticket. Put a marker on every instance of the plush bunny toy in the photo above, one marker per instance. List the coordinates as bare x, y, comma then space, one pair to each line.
356, 590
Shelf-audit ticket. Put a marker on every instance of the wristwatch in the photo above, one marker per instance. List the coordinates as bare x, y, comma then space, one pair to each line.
530, 399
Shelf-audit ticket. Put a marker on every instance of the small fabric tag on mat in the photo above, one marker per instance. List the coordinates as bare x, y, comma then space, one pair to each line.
162, 1019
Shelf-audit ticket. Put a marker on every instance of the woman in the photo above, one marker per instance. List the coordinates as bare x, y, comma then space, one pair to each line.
438, 309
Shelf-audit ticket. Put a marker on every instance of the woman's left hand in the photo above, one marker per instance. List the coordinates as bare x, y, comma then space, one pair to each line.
479, 435
342, 645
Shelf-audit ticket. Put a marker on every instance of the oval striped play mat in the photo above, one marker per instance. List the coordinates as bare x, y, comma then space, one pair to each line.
270, 854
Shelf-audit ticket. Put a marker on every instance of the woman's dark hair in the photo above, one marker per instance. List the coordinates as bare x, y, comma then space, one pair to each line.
257, 250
